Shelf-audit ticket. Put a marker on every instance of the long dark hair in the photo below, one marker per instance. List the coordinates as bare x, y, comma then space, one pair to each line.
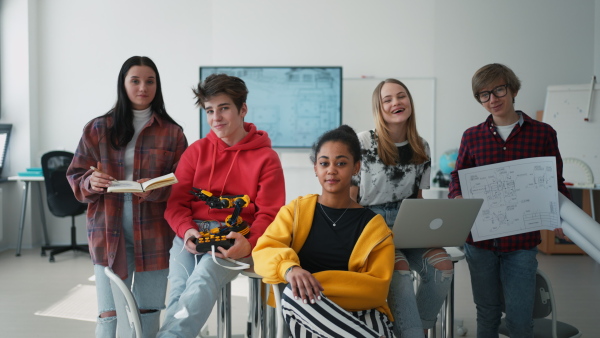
121, 131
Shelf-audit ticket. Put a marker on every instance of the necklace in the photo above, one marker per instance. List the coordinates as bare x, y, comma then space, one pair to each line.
335, 223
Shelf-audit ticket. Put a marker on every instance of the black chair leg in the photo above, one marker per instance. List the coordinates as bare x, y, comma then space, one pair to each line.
55, 250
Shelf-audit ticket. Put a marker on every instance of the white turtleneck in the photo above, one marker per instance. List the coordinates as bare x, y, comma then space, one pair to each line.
140, 118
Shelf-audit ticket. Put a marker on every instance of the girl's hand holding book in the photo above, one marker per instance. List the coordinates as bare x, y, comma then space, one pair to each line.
99, 180
145, 193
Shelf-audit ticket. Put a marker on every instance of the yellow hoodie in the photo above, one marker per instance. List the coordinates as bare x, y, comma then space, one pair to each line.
364, 286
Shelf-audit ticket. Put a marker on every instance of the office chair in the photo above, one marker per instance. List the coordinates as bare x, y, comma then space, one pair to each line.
133, 312
544, 306
60, 197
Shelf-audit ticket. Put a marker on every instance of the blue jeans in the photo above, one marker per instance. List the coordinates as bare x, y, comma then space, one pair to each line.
195, 283
415, 312
495, 275
149, 290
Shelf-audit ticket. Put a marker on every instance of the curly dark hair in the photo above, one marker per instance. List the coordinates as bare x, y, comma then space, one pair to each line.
344, 134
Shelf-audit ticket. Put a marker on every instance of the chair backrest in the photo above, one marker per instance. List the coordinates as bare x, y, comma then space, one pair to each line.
60, 196
133, 312
544, 299
543, 307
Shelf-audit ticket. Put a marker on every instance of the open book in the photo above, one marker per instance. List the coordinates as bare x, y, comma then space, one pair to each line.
132, 186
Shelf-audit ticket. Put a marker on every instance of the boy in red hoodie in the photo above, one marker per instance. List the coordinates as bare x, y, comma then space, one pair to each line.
233, 159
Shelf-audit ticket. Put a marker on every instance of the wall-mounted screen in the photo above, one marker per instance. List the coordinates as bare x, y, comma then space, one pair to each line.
295, 105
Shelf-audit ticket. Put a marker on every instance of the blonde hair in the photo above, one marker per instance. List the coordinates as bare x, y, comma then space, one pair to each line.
386, 149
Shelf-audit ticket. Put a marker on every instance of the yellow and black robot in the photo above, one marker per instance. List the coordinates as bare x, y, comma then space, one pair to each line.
233, 222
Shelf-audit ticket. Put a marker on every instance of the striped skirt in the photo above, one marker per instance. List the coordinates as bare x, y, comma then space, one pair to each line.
325, 318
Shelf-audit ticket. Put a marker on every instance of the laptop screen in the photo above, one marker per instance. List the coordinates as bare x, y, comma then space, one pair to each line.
4, 138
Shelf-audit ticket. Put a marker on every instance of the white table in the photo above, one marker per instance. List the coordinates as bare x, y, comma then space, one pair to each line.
26, 180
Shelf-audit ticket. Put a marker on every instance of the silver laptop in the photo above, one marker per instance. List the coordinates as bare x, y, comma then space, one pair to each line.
434, 223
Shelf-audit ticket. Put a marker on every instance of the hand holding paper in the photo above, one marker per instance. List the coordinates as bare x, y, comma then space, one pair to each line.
519, 196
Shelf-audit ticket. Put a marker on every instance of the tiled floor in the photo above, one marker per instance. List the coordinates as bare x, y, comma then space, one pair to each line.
30, 283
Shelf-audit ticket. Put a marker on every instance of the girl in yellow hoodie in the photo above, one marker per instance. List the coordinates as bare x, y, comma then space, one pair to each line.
337, 256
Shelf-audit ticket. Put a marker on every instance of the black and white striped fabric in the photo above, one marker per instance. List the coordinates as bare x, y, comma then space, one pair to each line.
324, 318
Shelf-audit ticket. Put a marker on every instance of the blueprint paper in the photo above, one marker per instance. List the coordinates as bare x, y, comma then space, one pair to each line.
519, 196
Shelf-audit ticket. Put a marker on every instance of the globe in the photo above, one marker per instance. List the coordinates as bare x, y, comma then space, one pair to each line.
448, 161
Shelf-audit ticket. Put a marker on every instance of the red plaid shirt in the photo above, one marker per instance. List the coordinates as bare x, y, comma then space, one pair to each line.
157, 152
482, 145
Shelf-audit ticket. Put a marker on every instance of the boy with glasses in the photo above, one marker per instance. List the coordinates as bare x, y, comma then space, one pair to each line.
503, 269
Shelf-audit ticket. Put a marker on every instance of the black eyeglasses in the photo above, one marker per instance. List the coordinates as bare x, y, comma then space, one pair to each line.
498, 92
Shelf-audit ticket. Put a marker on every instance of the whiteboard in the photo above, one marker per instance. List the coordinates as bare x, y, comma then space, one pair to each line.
565, 110
357, 111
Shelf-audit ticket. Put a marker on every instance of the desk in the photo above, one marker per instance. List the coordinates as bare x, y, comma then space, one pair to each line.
26, 180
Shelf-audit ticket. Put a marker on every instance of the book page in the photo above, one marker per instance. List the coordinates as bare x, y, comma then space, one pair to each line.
159, 182
519, 196
124, 186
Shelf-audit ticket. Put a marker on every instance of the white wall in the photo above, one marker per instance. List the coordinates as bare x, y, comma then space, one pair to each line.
597, 41
544, 42
84, 43
18, 106
79, 46
366, 38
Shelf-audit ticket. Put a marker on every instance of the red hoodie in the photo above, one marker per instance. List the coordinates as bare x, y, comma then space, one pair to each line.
250, 167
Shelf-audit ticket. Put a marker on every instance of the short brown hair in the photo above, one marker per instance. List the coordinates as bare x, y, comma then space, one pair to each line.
216, 84
488, 74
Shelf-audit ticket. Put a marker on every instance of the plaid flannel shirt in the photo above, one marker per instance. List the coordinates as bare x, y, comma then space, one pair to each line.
157, 152
482, 145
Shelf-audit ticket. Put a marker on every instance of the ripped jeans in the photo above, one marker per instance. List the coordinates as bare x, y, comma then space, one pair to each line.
414, 312
149, 290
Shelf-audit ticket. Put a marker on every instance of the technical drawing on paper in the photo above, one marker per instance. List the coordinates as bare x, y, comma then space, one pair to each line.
519, 196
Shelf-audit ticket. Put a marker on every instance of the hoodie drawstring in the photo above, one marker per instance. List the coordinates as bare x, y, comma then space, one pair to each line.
229, 171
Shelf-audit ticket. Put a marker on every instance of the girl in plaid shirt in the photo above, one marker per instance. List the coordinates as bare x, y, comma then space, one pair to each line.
136, 140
